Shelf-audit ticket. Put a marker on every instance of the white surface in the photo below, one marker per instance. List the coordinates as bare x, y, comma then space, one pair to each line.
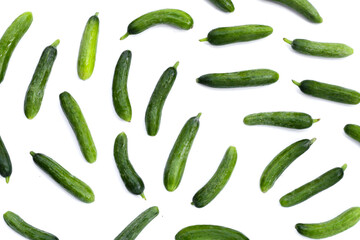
241, 205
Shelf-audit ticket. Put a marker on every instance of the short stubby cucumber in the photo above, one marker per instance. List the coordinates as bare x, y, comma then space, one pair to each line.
176, 162
218, 181
206, 232
243, 33
174, 17
353, 131
5, 162
282, 161
224, 5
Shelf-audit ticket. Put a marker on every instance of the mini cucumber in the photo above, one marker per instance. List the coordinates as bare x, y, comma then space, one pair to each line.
72, 184
250, 78
77, 122
173, 17
332, 227
243, 33
5, 162
206, 232
11, 38
282, 161
176, 162
312, 188
321, 49
138, 224
133, 182
88, 46
218, 181
224, 5
35, 91
353, 131
17, 224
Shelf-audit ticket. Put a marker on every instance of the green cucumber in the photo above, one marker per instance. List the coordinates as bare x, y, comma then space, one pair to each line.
332, 227
72, 184
77, 122
173, 17
224, 5
5, 162
157, 100
138, 224
206, 232
17, 224
353, 131
282, 161
176, 162
218, 181
35, 91
11, 38
312, 188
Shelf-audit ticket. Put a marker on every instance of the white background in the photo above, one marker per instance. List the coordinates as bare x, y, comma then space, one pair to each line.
241, 205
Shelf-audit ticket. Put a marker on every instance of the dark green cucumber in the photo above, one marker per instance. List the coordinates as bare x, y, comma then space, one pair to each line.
77, 122
11, 38
353, 131
332, 227
157, 100
206, 232
176, 162
128, 174
312, 188
224, 5
5, 162
243, 33
138, 224
295, 120
218, 181
88, 46
173, 17
321, 49
35, 91
250, 78
282, 161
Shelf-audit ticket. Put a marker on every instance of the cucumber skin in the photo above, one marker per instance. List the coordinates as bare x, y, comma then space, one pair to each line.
138, 224
332, 227
205, 232
353, 131
11, 38
218, 181
5, 162
26, 230
77, 122
224, 5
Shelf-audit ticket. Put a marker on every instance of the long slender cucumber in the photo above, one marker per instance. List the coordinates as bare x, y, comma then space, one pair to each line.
353, 131
224, 5
5, 162
206, 232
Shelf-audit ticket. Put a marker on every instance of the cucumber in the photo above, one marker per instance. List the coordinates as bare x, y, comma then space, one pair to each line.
224, 5
77, 122
72, 184
296, 120
133, 182
282, 161
157, 100
218, 181
11, 38
17, 224
250, 78
5, 162
138, 224
88, 45
176, 162
35, 91
119, 87
321, 49
243, 33
353, 131
332, 227
206, 232
173, 17
312, 188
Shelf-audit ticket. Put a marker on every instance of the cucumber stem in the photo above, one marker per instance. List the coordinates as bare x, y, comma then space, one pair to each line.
32, 153
143, 196
7, 179
316, 120
344, 167
197, 80
296, 83
176, 65
125, 36
203, 39
198, 116
312, 141
192, 203
56, 43
97, 14
287, 41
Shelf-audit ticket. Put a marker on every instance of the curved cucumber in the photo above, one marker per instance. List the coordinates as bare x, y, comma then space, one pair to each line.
72, 184
205, 232
176, 162
282, 161
35, 91
218, 181
5, 162
11, 38
224, 5
353, 131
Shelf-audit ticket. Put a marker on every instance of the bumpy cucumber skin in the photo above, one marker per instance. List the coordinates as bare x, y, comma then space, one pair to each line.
11, 38
77, 122
5, 162
26, 230
218, 181
119, 88
225, 5
205, 232
353, 131
332, 227
249, 78
72, 184
282, 161
138, 224
176, 162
